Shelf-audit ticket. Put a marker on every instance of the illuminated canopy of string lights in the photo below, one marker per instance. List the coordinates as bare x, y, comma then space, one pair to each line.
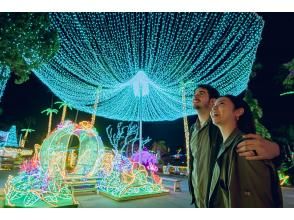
139, 62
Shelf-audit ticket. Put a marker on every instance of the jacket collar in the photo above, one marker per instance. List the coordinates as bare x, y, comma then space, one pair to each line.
216, 170
228, 142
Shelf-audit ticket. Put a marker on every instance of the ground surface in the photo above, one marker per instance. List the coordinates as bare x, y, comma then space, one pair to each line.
173, 200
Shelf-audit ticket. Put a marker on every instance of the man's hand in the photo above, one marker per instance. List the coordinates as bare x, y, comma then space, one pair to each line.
256, 147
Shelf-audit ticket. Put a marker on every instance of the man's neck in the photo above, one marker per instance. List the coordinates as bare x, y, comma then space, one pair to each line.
226, 130
203, 116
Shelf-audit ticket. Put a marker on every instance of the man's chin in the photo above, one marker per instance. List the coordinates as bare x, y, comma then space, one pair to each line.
197, 107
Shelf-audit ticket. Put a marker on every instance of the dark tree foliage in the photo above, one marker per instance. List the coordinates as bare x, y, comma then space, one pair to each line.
288, 82
26, 41
257, 114
254, 105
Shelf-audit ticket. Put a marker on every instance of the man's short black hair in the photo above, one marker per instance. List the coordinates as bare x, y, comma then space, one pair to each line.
212, 92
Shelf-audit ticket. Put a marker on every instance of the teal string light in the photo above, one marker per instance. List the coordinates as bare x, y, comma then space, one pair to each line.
4, 76
12, 139
140, 60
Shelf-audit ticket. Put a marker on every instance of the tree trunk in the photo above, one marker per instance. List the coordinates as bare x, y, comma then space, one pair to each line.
24, 139
49, 124
26, 135
63, 113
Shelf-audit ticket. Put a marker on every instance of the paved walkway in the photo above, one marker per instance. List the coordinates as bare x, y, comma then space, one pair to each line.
172, 200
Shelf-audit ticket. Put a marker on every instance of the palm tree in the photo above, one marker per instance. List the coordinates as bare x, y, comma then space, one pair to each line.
24, 139
49, 111
64, 106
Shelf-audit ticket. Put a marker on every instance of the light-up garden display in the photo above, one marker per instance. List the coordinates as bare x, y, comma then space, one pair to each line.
34, 187
130, 182
129, 67
129, 178
41, 183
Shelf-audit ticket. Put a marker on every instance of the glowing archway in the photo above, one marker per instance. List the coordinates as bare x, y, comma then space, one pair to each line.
54, 149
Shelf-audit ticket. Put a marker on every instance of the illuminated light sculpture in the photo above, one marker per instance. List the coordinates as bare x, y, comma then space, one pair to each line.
133, 184
127, 179
127, 54
42, 181
8, 138
33, 187
54, 149
64, 107
4, 76
49, 111
24, 139
127, 136
148, 159
284, 179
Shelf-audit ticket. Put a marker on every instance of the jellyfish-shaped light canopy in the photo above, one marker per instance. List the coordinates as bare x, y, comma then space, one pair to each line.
139, 64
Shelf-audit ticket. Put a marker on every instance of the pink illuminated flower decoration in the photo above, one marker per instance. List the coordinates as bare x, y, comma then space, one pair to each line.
30, 166
148, 159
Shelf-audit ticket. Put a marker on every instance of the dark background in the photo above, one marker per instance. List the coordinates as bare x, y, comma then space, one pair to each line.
276, 48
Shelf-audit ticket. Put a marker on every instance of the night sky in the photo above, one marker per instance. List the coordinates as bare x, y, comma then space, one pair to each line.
276, 48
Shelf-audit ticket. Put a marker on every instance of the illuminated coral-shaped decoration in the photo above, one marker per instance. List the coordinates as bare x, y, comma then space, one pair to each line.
131, 184
128, 178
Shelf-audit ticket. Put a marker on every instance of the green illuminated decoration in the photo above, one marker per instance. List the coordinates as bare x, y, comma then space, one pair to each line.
124, 179
33, 187
41, 183
54, 149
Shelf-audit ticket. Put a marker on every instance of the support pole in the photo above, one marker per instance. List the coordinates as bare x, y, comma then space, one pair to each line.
186, 127
140, 126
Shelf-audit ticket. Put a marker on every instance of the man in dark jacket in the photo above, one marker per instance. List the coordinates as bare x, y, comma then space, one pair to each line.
205, 139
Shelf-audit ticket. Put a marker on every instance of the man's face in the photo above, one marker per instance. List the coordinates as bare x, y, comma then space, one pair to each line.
201, 99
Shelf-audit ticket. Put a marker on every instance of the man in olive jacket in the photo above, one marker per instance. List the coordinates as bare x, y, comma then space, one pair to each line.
205, 139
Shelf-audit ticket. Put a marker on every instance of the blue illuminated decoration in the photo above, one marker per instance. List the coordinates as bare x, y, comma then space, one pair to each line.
140, 60
9, 139
4, 76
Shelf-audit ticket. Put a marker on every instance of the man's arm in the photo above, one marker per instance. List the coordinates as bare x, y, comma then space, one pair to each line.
256, 147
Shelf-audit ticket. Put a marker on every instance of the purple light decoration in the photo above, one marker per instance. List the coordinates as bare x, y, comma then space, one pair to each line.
148, 159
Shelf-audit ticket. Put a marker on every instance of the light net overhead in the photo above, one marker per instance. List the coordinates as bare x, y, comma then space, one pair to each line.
139, 62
